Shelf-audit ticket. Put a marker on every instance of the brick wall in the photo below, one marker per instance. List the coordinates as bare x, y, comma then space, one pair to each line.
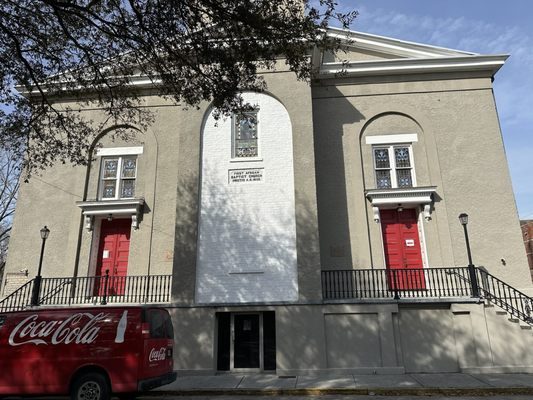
247, 229
13, 281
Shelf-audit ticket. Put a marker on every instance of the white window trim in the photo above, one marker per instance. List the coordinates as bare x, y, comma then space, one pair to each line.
119, 151
234, 158
118, 179
392, 139
392, 164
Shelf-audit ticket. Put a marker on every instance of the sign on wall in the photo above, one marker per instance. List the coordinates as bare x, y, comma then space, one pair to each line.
246, 175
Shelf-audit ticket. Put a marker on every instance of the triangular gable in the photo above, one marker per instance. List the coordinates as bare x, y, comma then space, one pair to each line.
366, 54
394, 48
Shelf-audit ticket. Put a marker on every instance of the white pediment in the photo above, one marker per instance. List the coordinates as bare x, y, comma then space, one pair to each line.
363, 54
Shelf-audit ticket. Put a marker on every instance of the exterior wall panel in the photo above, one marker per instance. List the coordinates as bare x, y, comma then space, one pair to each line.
247, 228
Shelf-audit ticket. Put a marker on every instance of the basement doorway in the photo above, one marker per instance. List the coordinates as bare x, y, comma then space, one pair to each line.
246, 341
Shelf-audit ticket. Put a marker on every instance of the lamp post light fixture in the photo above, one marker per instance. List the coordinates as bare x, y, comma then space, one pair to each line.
37, 284
463, 218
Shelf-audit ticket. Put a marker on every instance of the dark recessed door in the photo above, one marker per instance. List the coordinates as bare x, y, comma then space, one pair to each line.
246, 346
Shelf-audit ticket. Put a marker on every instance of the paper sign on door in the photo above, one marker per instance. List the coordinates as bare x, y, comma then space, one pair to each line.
105, 254
409, 242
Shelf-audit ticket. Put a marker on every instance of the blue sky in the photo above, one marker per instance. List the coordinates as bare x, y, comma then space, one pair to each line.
481, 26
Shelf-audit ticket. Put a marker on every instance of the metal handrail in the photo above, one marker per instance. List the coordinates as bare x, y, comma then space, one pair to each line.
414, 283
53, 292
131, 289
19, 299
511, 300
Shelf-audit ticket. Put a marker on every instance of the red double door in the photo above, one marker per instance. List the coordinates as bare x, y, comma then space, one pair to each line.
113, 254
401, 243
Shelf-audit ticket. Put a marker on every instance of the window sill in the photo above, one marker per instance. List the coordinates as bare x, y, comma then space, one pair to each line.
251, 159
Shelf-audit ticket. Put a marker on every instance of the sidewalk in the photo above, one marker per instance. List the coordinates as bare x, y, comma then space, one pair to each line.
408, 384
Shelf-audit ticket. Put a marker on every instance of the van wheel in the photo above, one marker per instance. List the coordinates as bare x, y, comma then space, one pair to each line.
91, 386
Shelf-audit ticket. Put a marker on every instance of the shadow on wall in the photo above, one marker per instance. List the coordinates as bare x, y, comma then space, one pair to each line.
334, 118
246, 243
435, 339
362, 331
244, 251
265, 249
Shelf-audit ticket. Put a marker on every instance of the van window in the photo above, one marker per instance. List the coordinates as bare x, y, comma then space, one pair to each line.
160, 325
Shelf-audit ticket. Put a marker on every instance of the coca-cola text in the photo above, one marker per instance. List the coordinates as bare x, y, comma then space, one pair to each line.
157, 355
80, 328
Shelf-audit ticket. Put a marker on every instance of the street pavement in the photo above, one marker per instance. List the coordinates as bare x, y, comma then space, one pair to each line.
434, 385
407, 384
431, 386
343, 397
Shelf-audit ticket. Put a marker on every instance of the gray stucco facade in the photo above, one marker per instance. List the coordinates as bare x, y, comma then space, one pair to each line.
437, 103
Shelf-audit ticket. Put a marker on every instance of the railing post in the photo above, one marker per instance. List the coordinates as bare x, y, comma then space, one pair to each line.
106, 279
395, 283
36, 292
147, 288
473, 280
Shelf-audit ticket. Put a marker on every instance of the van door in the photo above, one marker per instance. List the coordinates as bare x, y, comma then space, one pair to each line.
158, 343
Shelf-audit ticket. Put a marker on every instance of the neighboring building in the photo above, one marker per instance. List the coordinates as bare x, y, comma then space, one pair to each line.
527, 233
253, 217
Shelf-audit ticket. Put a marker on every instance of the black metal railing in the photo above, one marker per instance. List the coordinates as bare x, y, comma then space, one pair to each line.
496, 291
19, 299
145, 289
396, 283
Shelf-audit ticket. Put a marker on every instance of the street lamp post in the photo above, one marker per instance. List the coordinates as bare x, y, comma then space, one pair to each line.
471, 269
37, 284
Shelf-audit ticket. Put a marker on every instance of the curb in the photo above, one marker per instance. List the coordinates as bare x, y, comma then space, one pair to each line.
489, 391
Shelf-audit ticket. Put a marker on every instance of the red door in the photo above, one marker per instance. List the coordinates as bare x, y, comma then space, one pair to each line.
113, 252
402, 249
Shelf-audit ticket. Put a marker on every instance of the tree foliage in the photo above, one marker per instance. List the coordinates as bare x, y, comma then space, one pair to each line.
95, 51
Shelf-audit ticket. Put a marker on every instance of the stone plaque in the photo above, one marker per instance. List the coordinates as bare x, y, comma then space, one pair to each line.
246, 175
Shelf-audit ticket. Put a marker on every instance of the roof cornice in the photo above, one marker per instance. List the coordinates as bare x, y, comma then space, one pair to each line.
391, 45
490, 63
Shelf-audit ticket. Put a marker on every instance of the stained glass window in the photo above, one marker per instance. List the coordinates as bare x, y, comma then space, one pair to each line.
115, 185
128, 188
393, 166
109, 189
110, 168
402, 158
382, 158
383, 179
245, 134
129, 167
404, 178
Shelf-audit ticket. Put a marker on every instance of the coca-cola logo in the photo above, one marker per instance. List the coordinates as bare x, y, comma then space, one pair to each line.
80, 328
157, 355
